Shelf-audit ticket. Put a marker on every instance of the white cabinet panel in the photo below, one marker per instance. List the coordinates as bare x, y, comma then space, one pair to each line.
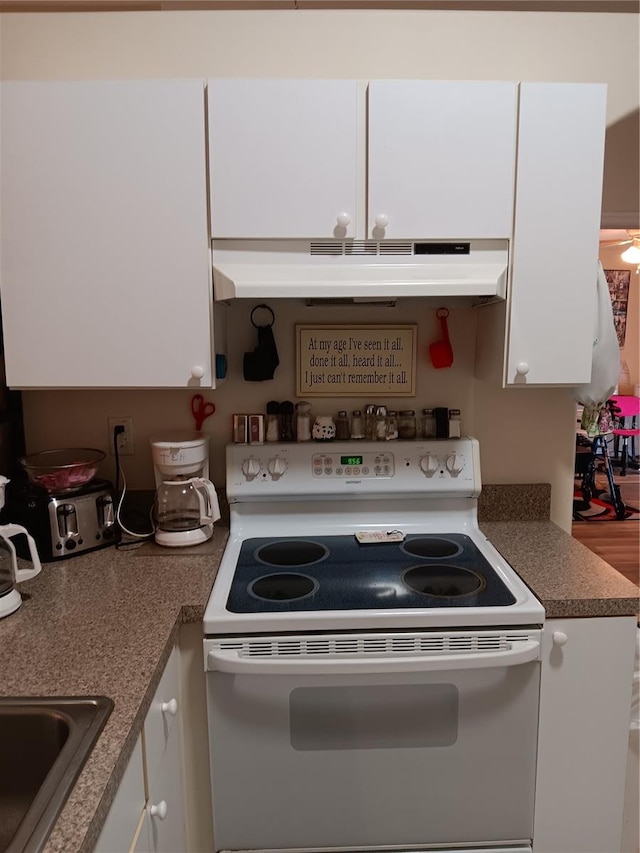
441, 158
166, 802
585, 702
163, 714
286, 158
121, 825
283, 157
557, 220
105, 274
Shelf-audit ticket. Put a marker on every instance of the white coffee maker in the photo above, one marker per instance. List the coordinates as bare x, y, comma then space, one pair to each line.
186, 504
10, 574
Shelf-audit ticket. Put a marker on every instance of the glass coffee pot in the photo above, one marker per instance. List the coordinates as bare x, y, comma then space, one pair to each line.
185, 510
10, 574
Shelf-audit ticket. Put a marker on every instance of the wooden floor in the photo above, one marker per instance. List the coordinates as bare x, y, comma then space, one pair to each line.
617, 542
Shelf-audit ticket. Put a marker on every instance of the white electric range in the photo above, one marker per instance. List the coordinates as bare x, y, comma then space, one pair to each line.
367, 645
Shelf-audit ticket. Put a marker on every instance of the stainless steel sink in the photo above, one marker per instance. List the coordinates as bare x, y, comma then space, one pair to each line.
44, 743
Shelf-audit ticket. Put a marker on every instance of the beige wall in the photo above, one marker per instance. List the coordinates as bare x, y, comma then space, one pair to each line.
525, 435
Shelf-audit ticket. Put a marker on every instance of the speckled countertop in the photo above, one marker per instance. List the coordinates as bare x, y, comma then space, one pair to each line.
104, 624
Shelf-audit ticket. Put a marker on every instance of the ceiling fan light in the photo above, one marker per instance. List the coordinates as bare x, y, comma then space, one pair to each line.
632, 254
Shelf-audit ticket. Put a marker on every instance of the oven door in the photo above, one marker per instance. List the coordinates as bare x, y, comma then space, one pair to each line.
374, 741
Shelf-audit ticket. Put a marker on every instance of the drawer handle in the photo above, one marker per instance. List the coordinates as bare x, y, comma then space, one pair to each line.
159, 811
170, 707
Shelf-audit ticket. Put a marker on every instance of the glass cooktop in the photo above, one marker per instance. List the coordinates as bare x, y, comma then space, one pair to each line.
339, 573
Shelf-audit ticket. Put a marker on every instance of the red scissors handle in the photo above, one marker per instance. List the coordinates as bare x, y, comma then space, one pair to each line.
201, 410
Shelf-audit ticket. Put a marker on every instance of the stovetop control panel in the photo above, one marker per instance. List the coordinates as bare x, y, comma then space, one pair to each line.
375, 464
429, 467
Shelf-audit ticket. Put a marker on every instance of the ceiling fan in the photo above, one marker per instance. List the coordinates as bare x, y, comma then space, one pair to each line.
629, 238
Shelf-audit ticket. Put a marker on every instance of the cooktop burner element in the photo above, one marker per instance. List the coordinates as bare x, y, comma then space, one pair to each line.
444, 581
431, 546
282, 587
296, 552
352, 576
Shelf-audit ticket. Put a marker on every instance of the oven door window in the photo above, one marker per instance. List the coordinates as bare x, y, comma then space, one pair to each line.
358, 761
373, 716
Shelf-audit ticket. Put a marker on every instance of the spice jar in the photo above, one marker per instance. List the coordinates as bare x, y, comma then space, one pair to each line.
381, 423
286, 421
407, 424
370, 422
392, 425
272, 429
357, 424
303, 421
428, 423
454, 423
342, 426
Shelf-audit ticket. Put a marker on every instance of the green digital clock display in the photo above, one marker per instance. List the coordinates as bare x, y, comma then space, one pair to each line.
351, 460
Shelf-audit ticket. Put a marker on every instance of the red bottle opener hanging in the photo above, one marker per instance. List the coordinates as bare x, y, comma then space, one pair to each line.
440, 352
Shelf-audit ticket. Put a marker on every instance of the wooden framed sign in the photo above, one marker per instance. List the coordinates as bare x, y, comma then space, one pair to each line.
361, 361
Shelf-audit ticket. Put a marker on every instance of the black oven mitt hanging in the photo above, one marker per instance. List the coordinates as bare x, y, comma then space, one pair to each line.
262, 362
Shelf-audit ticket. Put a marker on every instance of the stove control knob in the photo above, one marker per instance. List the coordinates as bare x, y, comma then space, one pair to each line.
455, 463
251, 468
276, 467
429, 464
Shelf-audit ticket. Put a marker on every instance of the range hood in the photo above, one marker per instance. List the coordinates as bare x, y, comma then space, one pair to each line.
359, 270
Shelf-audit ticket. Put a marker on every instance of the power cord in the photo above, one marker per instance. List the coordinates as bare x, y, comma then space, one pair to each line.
120, 473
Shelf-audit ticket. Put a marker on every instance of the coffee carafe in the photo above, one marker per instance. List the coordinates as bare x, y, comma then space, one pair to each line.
185, 511
10, 574
186, 503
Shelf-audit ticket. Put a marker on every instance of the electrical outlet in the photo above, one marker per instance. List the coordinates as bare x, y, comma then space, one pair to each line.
125, 439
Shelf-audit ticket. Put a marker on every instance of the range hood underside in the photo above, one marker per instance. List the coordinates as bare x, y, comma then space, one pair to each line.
258, 281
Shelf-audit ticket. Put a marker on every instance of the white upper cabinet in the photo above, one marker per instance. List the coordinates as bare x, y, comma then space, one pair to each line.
441, 159
105, 276
288, 159
283, 158
557, 221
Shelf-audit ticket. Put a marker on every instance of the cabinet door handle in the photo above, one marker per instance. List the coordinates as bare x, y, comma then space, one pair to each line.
522, 368
560, 638
343, 219
382, 220
197, 371
159, 811
170, 707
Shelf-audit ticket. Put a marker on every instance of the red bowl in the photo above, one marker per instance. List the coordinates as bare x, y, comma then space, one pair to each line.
62, 470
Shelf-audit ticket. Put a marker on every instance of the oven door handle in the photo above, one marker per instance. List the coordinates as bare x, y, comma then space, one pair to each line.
233, 662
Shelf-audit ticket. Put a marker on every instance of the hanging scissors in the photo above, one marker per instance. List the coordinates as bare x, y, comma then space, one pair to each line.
201, 410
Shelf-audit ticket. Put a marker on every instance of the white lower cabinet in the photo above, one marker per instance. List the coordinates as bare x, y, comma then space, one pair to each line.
585, 707
122, 824
147, 814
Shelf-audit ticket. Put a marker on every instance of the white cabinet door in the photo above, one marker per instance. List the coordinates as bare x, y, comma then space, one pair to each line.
121, 828
163, 714
585, 704
557, 221
166, 801
283, 158
105, 275
441, 158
